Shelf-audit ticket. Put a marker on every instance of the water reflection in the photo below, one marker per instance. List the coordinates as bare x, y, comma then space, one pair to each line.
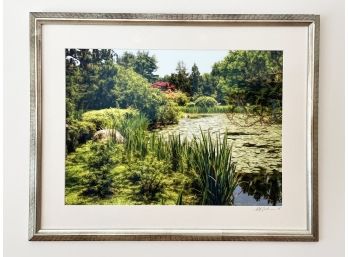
259, 189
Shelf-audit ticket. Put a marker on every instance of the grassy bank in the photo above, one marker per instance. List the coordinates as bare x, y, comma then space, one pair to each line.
149, 169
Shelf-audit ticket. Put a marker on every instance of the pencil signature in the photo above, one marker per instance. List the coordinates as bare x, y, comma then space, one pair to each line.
267, 208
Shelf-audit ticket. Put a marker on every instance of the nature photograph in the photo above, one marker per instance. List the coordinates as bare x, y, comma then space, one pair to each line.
173, 127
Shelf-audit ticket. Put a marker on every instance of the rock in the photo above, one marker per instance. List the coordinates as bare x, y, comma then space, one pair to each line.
106, 134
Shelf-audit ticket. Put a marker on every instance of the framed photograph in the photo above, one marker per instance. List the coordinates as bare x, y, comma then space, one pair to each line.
174, 127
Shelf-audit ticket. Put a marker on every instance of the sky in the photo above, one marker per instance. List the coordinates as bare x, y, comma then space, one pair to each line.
167, 60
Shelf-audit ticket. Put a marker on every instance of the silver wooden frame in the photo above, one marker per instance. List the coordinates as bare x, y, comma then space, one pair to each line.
37, 20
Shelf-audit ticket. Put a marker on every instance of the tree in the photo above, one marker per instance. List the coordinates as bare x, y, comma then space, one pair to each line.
181, 78
142, 63
88, 78
127, 59
258, 73
208, 85
195, 79
133, 90
72, 80
146, 65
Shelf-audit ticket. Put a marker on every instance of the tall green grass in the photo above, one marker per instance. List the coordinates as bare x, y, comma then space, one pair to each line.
177, 152
134, 130
211, 159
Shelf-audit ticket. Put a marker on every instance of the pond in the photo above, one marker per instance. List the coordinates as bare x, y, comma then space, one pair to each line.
257, 152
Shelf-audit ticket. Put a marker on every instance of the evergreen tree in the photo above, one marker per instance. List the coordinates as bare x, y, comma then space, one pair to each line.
195, 80
181, 78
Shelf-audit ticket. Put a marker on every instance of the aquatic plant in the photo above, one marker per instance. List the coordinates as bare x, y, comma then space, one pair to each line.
211, 160
177, 150
134, 130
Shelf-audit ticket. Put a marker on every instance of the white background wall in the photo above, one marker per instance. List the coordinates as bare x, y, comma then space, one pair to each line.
331, 131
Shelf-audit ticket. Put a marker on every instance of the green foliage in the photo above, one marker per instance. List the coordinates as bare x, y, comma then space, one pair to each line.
89, 80
134, 91
181, 79
180, 201
149, 163
191, 108
168, 113
196, 80
205, 102
148, 176
208, 85
142, 63
178, 97
258, 73
212, 162
107, 118
98, 179
177, 151
78, 132
134, 129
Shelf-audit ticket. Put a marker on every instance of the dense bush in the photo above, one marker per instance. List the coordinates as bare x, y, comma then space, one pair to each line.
132, 90
168, 113
106, 118
149, 177
205, 102
98, 179
178, 97
78, 132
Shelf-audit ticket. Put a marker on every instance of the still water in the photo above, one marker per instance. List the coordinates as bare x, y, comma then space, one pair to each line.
257, 151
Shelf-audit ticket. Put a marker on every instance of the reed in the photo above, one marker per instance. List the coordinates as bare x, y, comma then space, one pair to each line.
134, 130
212, 162
177, 150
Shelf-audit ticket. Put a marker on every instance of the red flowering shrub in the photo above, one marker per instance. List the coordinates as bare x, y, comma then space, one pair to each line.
166, 87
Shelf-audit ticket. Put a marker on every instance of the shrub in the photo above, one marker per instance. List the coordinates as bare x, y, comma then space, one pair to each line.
98, 180
205, 102
168, 113
133, 90
78, 132
148, 177
178, 97
107, 118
